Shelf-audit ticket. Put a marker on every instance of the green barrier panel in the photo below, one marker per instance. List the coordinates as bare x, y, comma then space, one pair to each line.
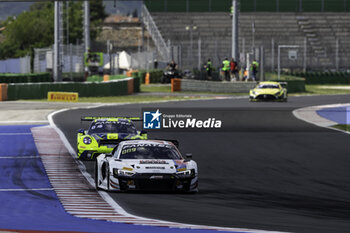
323, 77
176, 6
137, 84
155, 5
92, 89
142, 75
155, 75
295, 84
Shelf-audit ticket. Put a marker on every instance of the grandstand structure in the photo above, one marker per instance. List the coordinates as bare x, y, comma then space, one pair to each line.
319, 32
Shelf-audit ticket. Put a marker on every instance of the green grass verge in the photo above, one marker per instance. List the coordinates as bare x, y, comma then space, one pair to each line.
164, 88
327, 89
342, 127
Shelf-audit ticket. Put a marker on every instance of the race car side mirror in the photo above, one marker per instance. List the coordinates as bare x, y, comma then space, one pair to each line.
188, 156
81, 131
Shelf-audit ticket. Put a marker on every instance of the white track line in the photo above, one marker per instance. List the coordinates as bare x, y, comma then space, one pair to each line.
15, 134
19, 157
24, 122
34, 189
103, 197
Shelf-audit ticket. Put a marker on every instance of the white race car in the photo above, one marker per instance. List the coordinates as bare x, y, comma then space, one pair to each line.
146, 165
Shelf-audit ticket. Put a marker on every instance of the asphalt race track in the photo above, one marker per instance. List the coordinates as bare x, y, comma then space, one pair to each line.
267, 170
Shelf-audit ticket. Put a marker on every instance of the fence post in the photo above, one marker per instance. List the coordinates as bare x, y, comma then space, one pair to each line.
248, 60
199, 54
337, 55
305, 53
179, 53
262, 64
278, 63
253, 35
243, 52
272, 55
71, 61
216, 49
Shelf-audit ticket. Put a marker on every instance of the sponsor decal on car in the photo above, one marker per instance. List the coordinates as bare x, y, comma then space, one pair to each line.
153, 162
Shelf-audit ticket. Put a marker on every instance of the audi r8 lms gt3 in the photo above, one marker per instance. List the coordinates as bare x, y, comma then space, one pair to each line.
273, 91
103, 135
146, 165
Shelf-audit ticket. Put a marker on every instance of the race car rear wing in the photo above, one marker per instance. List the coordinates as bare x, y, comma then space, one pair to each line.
92, 118
284, 84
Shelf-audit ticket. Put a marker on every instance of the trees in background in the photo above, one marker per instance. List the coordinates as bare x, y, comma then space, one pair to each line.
35, 28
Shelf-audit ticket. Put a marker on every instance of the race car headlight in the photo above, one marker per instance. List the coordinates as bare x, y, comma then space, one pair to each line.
278, 93
87, 140
184, 173
117, 172
253, 92
193, 172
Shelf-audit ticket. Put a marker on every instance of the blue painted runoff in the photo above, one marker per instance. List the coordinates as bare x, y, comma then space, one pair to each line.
341, 115
34, 210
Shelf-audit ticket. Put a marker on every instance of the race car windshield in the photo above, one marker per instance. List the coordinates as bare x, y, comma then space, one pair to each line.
112, 127
270, 86
149, 152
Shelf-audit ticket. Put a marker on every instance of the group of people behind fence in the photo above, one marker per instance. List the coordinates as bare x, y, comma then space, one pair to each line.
231, 70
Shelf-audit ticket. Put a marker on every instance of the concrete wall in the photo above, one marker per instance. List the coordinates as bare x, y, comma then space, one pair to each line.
210, 86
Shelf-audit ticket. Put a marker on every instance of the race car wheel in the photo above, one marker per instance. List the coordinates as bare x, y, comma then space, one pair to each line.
96, 176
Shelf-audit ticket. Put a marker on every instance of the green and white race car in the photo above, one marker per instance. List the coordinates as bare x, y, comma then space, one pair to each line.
104, 134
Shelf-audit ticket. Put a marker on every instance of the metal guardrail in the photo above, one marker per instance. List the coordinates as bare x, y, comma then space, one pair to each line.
155, 33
